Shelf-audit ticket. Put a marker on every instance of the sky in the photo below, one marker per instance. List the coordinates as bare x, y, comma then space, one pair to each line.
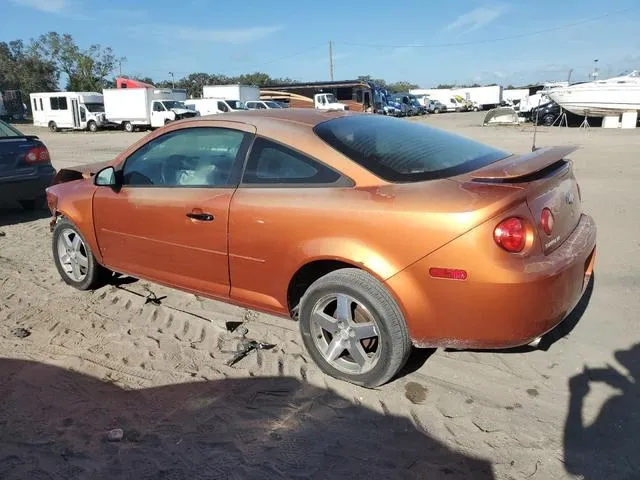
426, 42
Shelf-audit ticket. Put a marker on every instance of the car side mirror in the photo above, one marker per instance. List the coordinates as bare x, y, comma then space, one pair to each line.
106, 178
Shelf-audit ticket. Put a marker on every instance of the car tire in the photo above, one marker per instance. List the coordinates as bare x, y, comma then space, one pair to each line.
346, 311
74, 259
92, 126
437, 110
53, 127
128, 127
548, 120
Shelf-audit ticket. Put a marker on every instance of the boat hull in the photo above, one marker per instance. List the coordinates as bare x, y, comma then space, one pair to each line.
598, 101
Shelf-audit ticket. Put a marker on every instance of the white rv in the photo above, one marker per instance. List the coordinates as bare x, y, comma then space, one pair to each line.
68, 110
144, 107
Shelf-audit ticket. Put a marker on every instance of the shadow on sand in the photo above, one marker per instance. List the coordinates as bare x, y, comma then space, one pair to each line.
53, 424
13, 215
608, 447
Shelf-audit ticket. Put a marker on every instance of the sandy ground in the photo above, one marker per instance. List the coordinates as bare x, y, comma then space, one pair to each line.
108, 359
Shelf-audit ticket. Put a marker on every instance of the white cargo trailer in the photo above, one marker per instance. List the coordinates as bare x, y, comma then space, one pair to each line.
484, 97
144, 107
243, 93
68, 110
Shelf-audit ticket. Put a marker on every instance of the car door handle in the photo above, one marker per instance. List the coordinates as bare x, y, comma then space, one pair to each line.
204, 217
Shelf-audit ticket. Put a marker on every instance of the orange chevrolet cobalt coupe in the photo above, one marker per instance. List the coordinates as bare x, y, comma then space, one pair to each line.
377, 234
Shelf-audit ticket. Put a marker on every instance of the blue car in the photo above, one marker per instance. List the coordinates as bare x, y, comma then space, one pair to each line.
25, 168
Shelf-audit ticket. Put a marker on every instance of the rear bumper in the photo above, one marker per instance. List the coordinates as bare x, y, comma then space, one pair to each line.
498, 306
26, 188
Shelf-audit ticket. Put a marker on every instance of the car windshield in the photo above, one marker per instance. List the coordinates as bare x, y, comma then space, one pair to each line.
236, 104
7, 130
95, 107
401, 151
272, 105
169, 104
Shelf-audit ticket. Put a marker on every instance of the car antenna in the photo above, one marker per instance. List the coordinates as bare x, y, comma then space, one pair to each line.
535, 125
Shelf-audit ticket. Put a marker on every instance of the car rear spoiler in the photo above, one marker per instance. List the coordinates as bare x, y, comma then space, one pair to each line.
521, 168
26, 137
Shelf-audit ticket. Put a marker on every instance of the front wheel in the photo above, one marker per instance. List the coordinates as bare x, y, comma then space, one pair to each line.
93, 126
74, 259
353, 328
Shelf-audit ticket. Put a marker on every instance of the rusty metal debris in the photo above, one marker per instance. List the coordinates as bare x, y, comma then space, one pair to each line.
246, 348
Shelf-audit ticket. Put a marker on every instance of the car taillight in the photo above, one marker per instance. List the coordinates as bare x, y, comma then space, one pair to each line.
511, 234
547, 221
37, 155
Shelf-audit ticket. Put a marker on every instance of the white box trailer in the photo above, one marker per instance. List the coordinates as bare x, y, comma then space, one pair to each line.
144, 107
444, 95
242, 93
483, 97
68, 110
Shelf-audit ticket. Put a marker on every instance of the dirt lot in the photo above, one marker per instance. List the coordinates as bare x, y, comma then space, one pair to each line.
110, 359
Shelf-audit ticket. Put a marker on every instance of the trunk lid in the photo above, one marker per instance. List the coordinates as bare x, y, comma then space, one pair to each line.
549, 182
12, 152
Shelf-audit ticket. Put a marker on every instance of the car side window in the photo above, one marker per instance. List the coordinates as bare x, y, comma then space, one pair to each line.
223, 107
157, 107
261, 106
192, 157
250, 105
273, 163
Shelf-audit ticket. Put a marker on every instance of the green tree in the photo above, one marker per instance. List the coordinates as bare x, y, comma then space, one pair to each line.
86, 70
398, 87
23, 71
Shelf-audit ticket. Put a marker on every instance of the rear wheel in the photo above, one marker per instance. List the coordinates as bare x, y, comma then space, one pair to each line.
53, 127
353, 328
73, 258
128, 126
548, 120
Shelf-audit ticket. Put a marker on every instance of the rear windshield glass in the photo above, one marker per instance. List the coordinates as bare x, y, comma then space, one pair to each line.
8, 131
401, 151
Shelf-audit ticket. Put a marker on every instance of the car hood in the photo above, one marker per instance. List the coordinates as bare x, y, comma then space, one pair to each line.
78, 172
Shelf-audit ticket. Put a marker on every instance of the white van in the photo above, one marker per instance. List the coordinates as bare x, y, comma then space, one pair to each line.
262, 105
68, 110
212, 106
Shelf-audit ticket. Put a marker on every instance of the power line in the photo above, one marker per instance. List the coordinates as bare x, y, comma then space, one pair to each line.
491, 40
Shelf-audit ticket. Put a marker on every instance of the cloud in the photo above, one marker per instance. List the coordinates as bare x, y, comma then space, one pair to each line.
50, 6
476, 18
235, 36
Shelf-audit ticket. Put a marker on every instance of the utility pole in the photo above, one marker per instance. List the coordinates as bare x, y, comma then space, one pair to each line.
173, 80
331, 60
595, 69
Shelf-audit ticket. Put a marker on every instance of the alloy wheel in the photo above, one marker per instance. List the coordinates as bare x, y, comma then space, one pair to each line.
345, 333
72, 254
